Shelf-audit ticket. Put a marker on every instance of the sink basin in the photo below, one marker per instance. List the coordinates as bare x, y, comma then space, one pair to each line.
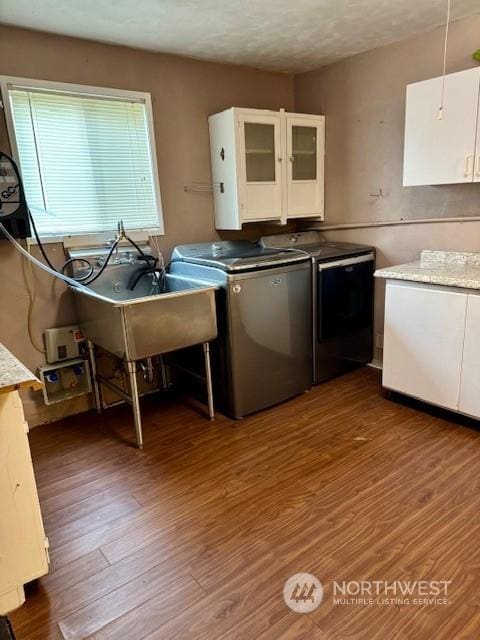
150, 320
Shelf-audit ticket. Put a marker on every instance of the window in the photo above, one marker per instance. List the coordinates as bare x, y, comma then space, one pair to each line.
87, 156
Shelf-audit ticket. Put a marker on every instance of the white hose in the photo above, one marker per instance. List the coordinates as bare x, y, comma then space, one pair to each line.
39, 264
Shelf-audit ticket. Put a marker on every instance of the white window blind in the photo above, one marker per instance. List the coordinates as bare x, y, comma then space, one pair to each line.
86, 161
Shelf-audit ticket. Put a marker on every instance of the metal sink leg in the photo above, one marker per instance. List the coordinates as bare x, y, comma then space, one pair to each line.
133, 397
132, 376
208, 375
93, 368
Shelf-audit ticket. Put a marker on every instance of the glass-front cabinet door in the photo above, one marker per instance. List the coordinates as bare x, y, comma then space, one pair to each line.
305, 165
260, 158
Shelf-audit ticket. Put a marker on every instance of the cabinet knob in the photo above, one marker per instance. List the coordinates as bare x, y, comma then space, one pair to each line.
279, 159
291, 158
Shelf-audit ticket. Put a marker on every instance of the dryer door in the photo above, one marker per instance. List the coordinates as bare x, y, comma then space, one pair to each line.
345, 296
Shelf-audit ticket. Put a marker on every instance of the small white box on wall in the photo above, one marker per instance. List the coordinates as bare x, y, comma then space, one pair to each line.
64, 343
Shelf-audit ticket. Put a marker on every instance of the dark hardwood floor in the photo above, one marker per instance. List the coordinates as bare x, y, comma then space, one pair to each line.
194, 536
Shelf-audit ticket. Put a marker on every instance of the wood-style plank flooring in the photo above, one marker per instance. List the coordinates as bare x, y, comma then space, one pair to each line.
194, 536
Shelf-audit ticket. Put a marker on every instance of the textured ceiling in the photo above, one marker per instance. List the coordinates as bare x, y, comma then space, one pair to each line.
281, 35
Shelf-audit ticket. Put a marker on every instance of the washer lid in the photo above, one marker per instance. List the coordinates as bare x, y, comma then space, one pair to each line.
237, 256
313, 243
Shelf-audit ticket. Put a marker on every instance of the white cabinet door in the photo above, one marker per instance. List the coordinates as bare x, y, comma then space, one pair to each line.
260, 167
470, 384
305, 137
476, 176
441, 151
423, 342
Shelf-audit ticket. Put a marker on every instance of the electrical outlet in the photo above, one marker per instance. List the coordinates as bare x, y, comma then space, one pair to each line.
379, 341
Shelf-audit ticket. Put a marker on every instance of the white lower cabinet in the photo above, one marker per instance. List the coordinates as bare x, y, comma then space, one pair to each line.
423, 341
432, 344
23, 545
470, 383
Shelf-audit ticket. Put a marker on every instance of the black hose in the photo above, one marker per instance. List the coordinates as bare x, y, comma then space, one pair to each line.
85, 261
142, 272
104, 265
137, 275
39, 242
150, 260
47, 260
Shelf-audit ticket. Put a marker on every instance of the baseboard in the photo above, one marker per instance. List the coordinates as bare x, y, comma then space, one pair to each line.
376, 364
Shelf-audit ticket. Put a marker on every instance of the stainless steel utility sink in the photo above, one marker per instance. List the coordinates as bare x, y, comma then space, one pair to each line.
159, 315
138, 324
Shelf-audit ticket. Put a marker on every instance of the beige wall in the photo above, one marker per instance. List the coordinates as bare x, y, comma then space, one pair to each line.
184, 93
363, 99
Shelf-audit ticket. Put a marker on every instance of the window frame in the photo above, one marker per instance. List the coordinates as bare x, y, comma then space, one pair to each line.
103, 92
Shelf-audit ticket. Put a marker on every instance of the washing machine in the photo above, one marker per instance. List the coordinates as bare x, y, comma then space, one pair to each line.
263, 355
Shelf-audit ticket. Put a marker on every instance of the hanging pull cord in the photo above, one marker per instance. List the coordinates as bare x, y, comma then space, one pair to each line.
442, 97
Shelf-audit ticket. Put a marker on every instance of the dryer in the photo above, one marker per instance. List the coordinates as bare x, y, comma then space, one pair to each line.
342, 297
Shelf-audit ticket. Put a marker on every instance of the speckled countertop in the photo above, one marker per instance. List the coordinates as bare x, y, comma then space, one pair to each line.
446, 268
13, 374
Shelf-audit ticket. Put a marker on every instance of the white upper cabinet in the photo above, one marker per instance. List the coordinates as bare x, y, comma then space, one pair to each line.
266, 166
305, 165
442, 151
259, 141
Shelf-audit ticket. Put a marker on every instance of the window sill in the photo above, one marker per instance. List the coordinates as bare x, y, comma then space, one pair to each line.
94, 239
